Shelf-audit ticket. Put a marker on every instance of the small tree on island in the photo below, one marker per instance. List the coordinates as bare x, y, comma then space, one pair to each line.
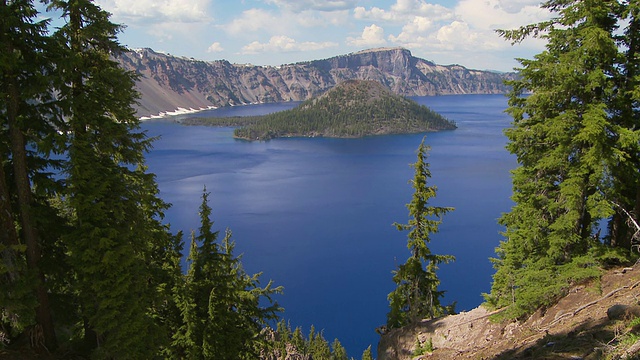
417, 296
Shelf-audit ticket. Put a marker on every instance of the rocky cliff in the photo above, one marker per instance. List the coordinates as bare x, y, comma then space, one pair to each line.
597, 320
168, 82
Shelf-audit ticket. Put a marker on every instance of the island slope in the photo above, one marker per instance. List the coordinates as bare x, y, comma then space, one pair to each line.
353, 108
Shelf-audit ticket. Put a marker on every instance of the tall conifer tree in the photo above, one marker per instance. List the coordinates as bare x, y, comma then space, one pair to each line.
366, 354
221, 304
117, 243
571, 145
417, 295
338, 352
26, 125
626, 121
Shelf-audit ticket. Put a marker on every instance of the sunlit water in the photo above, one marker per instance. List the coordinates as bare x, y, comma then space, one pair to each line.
315, 214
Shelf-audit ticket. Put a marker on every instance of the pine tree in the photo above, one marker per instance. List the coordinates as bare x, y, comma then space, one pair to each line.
26, 122
567, 143
170, 284
298, 341
626, 109
416, 295
366, 355
117, 245
338, 352
318, 347
283, 336
203, 275
222, 310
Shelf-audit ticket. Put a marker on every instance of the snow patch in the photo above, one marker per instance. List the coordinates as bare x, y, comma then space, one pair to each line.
178, 111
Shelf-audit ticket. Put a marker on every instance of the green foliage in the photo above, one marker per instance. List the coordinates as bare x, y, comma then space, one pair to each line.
16, 300
351, 109
91, 239
634, 324
416, 295
422, 348
575, 141
27, 142
293, 344
338, 352
318, 346
366, 355
237, 121
221, 304
95, 247
630, 336
298, 341
117, 248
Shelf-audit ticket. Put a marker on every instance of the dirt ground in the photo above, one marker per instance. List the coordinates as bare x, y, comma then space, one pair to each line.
577, 327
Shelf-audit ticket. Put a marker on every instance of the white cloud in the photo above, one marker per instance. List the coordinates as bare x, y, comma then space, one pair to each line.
454, 36
157, 11
319, 5
254, 20
403, 11
310, 19
468, 27
500, 14
284, 44
516, 6
170, 31
215, 47
420, 8
457, 35
371, 36
272, 27
418, 25
268, 22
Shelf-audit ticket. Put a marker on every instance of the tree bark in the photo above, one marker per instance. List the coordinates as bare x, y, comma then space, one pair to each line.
25, 201
9, 237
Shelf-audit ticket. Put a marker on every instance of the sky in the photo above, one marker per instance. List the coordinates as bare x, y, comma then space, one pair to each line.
275, 32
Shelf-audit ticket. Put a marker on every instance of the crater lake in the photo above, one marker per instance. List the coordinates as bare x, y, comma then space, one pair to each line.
316, 214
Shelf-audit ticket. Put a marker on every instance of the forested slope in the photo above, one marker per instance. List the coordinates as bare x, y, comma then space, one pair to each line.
88, 268
354, 108
565, 285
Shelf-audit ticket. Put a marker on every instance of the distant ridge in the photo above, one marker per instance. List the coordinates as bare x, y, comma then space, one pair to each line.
365, 51
169, 83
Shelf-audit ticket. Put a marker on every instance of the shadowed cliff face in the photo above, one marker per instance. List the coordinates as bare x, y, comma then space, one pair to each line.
168, 82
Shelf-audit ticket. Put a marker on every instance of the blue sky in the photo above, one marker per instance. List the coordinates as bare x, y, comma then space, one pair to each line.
274, 32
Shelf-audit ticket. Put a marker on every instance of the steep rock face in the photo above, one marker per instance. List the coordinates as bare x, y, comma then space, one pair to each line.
168, 82
407, 75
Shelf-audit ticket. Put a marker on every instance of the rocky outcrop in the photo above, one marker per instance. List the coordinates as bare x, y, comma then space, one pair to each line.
168, 82
593, 321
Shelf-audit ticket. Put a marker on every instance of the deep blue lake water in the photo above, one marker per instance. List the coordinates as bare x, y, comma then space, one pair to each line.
315, 214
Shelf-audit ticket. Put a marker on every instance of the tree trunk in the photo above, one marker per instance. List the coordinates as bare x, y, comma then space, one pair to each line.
621, 231
29, 231
636, 213
9, 237
614, 229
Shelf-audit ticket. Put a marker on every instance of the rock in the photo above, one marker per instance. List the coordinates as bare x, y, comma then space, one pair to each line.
586, 332
632, 351
623, 312
596, 354
169, 82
